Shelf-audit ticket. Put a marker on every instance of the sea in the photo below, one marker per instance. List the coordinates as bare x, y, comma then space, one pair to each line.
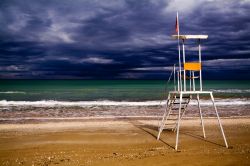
84, 99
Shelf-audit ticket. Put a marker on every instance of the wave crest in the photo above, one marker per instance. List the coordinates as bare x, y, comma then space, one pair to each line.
53, 103
13, 92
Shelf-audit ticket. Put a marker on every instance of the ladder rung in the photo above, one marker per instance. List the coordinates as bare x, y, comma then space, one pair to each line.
170, 123
172, 119
168, 128
173, 113
181, 103
184, 97
182, 108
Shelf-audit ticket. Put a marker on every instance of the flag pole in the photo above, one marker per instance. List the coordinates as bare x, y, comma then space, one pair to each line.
179, 49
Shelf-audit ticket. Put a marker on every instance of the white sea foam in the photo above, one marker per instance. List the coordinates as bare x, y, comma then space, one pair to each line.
12, 92
52, 103
224, 102
75, 118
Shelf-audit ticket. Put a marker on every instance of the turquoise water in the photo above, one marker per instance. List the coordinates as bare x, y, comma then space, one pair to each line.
115, 90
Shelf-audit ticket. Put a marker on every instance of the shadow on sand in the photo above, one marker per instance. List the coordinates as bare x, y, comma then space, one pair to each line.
153, 131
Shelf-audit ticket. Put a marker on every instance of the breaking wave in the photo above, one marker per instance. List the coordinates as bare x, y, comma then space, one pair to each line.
53, 103
13, 92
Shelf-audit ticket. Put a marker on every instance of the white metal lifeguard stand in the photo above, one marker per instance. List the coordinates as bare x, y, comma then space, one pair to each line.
179, 99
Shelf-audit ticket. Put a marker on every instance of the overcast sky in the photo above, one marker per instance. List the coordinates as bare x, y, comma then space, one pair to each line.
120, 39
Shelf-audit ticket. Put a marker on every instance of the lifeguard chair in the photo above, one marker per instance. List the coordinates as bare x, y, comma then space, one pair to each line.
187, 75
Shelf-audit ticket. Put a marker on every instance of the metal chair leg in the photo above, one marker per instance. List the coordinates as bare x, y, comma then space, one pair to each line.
202, 123
178, 125
163, 118
221, 128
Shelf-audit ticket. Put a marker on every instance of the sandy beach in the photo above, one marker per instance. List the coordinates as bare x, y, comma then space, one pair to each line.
124, 83
129, 141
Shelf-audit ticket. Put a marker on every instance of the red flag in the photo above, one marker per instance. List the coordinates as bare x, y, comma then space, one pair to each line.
176, 25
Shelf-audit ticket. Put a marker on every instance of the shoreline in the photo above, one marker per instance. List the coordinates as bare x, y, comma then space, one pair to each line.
100, 122
65, 120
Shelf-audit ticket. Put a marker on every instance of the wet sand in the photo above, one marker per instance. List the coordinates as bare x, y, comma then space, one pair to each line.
123, 142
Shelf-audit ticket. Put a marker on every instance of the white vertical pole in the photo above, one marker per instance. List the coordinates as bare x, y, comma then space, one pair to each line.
190, 80
174, 79
193, 81
202, 123
184, 60
221, 128
200, 63
178, 124
179, 49
178, 81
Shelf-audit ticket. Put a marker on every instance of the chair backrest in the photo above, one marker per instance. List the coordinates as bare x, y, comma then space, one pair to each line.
193, 66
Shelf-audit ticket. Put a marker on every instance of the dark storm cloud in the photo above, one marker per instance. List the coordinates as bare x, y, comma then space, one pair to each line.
112, 39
